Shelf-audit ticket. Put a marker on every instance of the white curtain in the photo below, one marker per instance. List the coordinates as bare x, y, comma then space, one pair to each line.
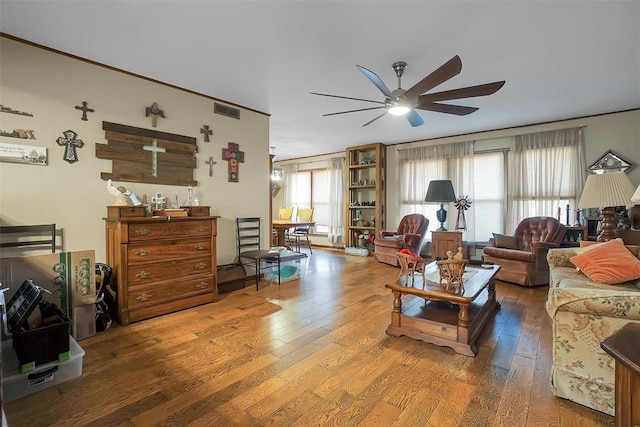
419, 166
336, 199
547, 171
289, 187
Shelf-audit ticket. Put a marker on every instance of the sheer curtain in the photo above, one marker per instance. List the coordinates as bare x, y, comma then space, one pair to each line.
419, 166
289, 184
336, 199
547, 171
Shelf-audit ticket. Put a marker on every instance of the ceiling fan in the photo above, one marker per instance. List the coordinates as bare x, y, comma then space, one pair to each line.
405, 102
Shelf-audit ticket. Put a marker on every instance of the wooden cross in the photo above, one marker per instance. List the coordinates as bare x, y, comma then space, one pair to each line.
70, 141
84, 109
211, 162
206, 131
154, 155
154, 111
234, 156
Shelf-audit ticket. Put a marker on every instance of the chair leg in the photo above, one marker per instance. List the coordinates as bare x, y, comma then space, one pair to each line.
257, 274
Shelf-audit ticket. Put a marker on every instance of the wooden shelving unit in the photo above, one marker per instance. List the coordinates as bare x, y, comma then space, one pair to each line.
365, 190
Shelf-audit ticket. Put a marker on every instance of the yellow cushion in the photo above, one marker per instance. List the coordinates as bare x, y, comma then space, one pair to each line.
608, 263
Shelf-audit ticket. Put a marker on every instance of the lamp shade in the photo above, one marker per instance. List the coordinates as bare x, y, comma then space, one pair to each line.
606, 190
635, 198
440, 191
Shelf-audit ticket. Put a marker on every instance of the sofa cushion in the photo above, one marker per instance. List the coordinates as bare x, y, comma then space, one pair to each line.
586, 245
608, 263
502, 241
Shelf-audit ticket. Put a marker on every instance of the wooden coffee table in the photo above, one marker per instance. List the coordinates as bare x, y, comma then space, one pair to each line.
453, 319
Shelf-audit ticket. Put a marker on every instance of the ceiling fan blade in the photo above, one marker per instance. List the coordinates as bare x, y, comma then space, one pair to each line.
374, 119
376, 81
414, 118
346, 97
352, 111
448, 70
458, 110
463, 92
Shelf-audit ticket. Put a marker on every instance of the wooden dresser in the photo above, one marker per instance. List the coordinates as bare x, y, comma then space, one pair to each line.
161, 265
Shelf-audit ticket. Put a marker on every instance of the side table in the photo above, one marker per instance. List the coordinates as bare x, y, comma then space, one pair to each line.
624, 347
443, 241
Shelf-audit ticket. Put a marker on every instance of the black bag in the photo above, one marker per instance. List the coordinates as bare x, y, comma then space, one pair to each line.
105, 297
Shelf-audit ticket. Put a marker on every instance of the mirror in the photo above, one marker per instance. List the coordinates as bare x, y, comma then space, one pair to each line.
610, 162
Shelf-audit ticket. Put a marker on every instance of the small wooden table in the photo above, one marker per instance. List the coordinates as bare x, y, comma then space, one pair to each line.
282, 225
452, 319
624, 347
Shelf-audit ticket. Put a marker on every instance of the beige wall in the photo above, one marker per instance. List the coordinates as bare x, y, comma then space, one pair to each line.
618, 131
73, 196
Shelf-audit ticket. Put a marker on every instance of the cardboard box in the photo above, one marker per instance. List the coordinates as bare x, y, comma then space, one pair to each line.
68, 276
84, 321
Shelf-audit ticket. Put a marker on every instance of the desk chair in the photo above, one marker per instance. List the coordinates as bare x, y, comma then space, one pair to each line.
302, 232
250, 254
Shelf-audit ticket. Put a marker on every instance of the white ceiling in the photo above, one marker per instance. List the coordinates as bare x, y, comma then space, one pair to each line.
560, 59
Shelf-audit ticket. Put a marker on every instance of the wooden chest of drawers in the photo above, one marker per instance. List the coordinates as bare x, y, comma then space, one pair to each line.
161, 265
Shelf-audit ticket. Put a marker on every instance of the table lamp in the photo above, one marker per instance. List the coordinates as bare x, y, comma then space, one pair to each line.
634, 211
606, 191
440, 191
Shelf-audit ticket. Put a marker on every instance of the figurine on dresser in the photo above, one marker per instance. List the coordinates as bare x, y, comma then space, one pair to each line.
123, 197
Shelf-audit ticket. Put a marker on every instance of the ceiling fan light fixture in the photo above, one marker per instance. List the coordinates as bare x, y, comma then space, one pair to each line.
399, 110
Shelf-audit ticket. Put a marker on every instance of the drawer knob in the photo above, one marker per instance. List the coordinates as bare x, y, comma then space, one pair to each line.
201, 228
202, 285
201, 247
143, 275
201, 266
142, 252
142, 231
144, 297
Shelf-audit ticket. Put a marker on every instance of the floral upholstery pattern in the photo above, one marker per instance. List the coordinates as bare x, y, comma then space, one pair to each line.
583, 314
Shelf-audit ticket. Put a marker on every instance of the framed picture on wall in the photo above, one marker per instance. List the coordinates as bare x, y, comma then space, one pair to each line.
24, 154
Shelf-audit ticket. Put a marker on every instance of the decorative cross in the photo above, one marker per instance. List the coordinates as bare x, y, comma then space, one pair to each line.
206, 131
158, 200
211, 162
154, 155
69, 139
234, 156
84, 109
154, 111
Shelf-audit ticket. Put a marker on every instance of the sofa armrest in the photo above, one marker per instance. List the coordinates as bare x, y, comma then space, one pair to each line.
387, 233
560, 257
596, 302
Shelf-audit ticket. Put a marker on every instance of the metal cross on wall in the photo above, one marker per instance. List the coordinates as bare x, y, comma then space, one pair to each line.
70, 141
206, 131
211, 162
84, 110
234, 156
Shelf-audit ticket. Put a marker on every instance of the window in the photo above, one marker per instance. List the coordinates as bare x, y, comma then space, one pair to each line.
489, 193
311, 189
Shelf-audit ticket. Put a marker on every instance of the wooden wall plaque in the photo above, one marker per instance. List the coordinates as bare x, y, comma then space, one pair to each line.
149, 156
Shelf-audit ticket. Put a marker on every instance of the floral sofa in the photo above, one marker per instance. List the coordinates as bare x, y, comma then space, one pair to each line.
584, 313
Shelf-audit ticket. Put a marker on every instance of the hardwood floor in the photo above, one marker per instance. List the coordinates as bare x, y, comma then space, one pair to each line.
312, 352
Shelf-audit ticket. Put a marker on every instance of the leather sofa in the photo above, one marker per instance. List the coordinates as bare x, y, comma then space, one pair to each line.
525, 263
411, 234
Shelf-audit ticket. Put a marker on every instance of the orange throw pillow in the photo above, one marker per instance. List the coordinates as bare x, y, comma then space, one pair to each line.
608, 263
586, 245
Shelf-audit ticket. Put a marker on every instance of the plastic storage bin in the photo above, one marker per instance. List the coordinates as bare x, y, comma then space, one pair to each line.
293, 265
37, 346
16, 385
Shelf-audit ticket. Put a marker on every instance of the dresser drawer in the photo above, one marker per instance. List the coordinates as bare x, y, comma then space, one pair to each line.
140, 296
169, 230
167, 250
160, 271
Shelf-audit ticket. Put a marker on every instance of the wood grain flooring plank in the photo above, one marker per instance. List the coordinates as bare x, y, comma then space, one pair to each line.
382, 414
451, 408
514, 404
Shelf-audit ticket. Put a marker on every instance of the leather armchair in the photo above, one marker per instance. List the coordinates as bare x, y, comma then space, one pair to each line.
527, 265
411, 234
